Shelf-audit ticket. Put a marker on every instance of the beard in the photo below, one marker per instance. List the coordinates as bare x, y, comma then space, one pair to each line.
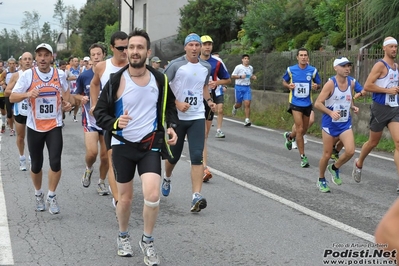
139, 64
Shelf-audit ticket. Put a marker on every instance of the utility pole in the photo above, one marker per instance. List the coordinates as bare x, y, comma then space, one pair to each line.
67, 37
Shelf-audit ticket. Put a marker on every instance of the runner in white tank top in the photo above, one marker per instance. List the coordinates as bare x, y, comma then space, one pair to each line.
102, 73
20, 109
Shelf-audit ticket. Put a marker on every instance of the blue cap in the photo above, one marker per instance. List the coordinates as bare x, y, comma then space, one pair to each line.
192, 37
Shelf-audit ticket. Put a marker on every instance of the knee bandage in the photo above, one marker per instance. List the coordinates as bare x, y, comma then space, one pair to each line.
152, 204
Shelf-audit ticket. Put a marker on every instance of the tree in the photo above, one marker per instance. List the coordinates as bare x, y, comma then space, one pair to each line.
59, 13
330, 15
270, 15
109, 30
72, 18
76, 44
383, 15
299, 16
211, 17
94, 16
46, 34
31, 24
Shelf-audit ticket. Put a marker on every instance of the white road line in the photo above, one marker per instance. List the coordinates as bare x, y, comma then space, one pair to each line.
6, 257
295, 206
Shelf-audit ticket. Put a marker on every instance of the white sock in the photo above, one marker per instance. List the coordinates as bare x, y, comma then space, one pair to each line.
50, 194
101, 181
22, 158
38, 192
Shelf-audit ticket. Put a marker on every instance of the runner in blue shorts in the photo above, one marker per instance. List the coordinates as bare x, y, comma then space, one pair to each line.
338, 145
243, 74
335, 101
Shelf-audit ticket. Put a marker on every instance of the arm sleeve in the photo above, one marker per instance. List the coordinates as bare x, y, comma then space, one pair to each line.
103, 112
286, 76
79, 85
317, 78
223, 73
170, 71
171, 111
358, 87
235, 71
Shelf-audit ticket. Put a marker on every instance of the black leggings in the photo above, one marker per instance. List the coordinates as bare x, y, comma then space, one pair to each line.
54, 142
9, 107
195, 130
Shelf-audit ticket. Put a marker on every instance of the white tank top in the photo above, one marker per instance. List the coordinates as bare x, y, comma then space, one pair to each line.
109, 69
8, 76
389, 81
141, 104
340, 101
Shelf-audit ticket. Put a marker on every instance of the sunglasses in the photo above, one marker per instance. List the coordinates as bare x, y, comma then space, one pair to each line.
120, 48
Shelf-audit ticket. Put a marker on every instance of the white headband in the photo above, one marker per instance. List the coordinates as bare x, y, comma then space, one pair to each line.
390, 41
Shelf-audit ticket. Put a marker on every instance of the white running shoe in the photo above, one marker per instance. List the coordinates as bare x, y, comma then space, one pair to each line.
124, 247
22, 165
102, 189
356, 172
150, 255
86, 178
234, 111
294, 146
247, 123
53, 207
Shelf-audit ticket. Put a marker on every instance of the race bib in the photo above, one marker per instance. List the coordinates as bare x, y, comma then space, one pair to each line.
343, 110
301, 90
1, 90
73, 86
23, 108
209, 87
46, 107
391, 100
194, 99
219, 90
248, 76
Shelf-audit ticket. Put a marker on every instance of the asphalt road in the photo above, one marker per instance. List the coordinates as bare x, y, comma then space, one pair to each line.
263, 208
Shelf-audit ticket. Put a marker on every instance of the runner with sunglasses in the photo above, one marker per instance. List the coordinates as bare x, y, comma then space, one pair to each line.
102, 72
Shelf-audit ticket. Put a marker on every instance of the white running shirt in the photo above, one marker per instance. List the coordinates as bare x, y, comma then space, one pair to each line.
187, 81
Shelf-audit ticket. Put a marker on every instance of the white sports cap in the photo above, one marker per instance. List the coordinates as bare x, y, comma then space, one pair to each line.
45, 46
342, 61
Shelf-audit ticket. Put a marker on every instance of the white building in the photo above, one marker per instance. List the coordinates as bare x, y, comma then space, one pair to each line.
160, 18
61, 42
